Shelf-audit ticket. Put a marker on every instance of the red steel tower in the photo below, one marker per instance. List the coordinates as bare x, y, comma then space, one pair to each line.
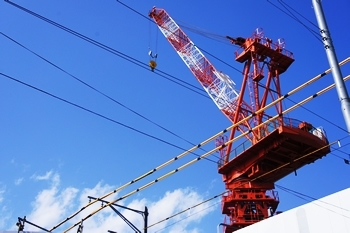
270, 151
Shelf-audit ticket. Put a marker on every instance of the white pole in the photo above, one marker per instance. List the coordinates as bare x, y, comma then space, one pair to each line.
333, 62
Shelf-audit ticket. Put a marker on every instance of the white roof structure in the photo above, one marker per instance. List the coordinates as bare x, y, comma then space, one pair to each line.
330, 214
21, 232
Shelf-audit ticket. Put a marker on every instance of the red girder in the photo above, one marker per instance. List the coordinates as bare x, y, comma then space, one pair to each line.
272, 151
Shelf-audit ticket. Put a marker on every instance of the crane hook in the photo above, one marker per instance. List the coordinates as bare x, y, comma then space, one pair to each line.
152, 63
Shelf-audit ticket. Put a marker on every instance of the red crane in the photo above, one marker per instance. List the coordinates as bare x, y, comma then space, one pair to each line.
270, 152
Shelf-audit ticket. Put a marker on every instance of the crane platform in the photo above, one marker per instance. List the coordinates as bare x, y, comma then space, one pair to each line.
288, 146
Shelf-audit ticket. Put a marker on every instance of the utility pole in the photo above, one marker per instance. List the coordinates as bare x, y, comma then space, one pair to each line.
333, 62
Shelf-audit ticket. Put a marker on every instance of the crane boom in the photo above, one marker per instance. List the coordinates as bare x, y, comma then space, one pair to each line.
218, 85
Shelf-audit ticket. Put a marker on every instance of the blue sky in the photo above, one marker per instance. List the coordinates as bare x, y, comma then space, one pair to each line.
54, 154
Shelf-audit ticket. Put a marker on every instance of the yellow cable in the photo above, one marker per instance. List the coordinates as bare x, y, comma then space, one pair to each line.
240, 185
206, 154
203, 143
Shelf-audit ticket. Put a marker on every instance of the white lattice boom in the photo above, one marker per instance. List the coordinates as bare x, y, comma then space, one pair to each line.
219, 86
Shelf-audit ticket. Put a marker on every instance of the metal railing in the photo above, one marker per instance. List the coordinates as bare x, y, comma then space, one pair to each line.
269, 128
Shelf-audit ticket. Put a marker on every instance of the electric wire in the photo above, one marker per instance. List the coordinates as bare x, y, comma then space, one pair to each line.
207, 154
328, 121
198, 31
98, 91
206, 141
291, 14
295, 193
297, 20
210, 54
321, 117
97, 114
301, 195
209, 35
211, 138
185, 210
243, 183
143, 65
189, 216
347, 161
312, 23
8, 1
315, 203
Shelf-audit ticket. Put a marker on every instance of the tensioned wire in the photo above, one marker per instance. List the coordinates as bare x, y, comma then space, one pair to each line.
205, 142
100, 92
99, 44
222, 193
199, 91
207, 154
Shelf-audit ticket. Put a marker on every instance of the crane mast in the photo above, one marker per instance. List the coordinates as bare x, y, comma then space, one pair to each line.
271, 151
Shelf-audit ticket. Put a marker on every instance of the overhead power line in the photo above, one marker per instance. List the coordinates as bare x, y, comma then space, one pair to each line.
318, 115
97, 114
96, 90
201, 157
303, 196
291, 15
197, 31
143, 65
243, 183
295, 193
203, 33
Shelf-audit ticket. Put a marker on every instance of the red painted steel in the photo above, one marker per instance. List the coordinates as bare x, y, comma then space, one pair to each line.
270, 152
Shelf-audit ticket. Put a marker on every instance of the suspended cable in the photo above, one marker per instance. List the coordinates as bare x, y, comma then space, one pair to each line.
214, 137
328, 121
315, 25
191, 215
312, 198
207, 154
323, 118
143, 65
239, 71
297, 20
201, 33
209, 35
98, 91
197, 31
243, 183
209, 139
98, 114
185, 210
299, 195
346, 161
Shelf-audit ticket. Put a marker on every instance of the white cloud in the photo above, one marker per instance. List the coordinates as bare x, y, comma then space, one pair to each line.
47, 176
2, 191
52, 205
19, 181
5, 216
5, 213
174, 202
